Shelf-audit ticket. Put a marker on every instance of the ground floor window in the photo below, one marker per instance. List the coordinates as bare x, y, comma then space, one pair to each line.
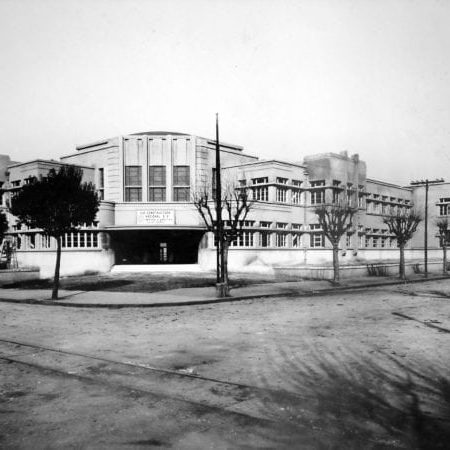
281, 239
245, 239
264, 239
80, 239
296, 240
317, 240
39, 241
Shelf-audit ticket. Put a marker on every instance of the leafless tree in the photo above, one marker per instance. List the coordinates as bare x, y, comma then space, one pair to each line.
335, 220
442, 226
403, 225
236, 204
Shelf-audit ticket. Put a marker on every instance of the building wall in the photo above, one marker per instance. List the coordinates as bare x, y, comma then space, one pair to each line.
280, 229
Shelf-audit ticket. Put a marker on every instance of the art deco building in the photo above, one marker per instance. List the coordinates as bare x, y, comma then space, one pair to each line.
146, 182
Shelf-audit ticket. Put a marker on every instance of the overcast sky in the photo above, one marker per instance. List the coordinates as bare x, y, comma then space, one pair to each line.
288, 78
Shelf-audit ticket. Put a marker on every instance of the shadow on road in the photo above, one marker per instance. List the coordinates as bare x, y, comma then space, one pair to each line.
348, 401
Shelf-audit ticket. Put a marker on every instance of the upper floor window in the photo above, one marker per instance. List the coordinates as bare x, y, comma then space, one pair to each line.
261, 193
133, 183
260, 180
281, 194
181, 183
444, 206
317, 197
317, 183
282, 180
296, 183
157, 183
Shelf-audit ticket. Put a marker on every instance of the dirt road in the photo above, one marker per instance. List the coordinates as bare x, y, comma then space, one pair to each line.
355, 370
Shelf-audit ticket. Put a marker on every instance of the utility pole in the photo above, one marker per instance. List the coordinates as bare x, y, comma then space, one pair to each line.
426, 183
219, 226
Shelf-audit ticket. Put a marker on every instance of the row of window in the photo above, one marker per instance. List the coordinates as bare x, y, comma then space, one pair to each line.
157, 183
266, 239
38, 241
314, 240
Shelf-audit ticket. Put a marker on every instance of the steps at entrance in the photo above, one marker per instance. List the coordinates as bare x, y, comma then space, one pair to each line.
121, 268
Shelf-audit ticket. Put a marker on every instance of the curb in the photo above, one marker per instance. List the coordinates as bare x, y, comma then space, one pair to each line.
311, 293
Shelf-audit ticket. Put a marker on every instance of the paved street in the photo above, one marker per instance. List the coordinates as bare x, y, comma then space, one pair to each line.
361, 369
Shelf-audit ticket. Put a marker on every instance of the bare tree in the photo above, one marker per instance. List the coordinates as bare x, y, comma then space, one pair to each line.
403, 225
236, 204
442, 226
335, 220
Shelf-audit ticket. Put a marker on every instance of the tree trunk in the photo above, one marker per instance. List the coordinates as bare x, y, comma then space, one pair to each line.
402, 261
223, 289
444, 268
336, 263
57, 267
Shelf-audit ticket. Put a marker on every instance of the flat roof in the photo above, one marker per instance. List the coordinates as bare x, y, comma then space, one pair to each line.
385, 183
47, 161
266, 161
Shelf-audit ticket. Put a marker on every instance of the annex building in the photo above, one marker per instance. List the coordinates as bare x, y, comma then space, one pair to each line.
146, 182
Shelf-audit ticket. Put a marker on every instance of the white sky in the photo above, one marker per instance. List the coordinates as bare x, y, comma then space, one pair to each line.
288, 78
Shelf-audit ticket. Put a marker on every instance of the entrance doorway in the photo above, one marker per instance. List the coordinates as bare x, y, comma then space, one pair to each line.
156, 247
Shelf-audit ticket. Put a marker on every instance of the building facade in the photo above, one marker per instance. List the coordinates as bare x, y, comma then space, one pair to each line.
146, 182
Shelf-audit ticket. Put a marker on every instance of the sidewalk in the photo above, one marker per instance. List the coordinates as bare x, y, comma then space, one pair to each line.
196, 296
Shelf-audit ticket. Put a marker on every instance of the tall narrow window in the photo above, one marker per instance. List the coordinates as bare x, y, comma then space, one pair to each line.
181, 183
101, 183
157, 184
133, 183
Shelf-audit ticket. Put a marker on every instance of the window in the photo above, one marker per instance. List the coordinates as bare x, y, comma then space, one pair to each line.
336, 195
296, 240
367, 242
260, 180
317, 197
260, 194
133, 183
264, 239
296, 183
265, 224
157, 183
281, 195
317, 183
348, 240
181, 183
444, 207
282, 225
281, 239
282, 180
80, 239
375, 241
317, 240
245, 239
101, 183
361, 201
295, 197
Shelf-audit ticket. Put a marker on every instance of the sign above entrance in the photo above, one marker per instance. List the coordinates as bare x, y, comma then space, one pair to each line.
156, 217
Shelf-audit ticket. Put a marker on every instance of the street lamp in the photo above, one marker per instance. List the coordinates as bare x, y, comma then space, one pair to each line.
426, 183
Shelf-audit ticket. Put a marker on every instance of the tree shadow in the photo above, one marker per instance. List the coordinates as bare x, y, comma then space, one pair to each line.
343, 400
